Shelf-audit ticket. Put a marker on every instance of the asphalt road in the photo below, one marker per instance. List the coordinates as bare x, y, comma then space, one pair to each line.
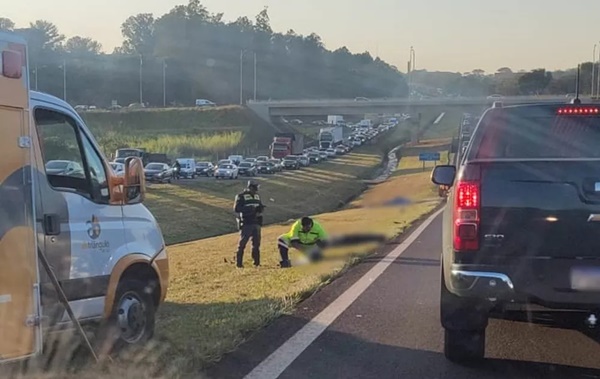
392, 330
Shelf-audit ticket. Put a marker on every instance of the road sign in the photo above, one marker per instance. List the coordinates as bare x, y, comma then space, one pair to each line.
429, 157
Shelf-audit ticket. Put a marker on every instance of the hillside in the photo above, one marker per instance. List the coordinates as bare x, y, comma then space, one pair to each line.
181, 131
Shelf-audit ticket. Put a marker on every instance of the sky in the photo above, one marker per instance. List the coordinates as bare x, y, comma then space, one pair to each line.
447, 35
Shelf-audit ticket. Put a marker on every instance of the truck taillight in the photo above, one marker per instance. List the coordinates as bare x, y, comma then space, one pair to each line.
466, 216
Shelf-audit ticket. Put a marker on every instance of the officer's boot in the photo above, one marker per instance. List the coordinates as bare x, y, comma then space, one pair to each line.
239, 259
285, 260
256, 257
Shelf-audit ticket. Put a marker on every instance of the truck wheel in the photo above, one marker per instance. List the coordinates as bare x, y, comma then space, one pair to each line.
458, 313
464, 322
131, 323
464, 346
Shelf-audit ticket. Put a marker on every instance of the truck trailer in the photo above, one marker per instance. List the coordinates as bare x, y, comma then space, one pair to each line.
331, 136
285, 144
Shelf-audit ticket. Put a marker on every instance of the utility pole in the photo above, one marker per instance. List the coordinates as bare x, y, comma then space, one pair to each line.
241, 77
598, 75
254, 76
64, 80
242, 52
164, 83
593, 68
36, 76
141, 78
411, 67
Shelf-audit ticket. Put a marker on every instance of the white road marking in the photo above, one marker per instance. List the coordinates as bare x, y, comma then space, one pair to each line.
5, 299
276, 363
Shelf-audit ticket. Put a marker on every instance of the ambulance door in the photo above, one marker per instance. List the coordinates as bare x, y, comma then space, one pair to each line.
20, 331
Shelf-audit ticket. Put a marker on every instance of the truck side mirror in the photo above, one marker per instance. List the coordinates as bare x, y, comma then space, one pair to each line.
134, 185
443, 175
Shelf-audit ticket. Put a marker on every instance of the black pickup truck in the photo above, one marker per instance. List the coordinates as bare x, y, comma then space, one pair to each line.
521, 228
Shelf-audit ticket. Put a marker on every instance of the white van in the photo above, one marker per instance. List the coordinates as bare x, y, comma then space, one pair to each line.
205, 103
72, 242
188, 167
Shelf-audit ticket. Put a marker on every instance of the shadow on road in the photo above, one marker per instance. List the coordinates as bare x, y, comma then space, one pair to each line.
405, 261
339, 355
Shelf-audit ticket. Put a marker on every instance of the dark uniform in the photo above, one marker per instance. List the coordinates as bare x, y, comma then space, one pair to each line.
176, 170
249, 208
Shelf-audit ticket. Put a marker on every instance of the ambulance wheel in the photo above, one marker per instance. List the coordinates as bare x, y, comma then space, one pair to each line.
131, 323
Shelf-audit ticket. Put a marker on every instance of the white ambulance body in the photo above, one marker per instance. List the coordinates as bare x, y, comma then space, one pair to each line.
82, 233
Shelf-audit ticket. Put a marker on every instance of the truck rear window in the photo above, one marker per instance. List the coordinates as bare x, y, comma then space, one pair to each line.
536, 134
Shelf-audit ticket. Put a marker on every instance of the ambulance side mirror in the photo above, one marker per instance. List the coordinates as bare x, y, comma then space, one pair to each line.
134, 186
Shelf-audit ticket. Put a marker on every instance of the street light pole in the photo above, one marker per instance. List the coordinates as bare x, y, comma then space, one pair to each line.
36, 76
141, 85
254, 76
241, 77
411, 67
593, 68
598, 74
242, 52
64, 80
164, 83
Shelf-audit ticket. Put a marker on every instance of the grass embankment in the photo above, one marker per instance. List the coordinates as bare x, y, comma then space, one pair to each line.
190, 210
192, 132
212, 307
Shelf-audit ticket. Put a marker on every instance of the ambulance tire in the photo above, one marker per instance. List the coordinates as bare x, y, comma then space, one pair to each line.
132, 322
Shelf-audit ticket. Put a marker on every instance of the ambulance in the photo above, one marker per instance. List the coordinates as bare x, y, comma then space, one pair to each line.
77, 245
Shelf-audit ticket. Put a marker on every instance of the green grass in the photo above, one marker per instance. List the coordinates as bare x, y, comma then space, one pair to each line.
212, 307
189, 210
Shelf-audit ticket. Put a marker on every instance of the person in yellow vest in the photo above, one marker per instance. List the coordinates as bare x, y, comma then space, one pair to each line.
306, 235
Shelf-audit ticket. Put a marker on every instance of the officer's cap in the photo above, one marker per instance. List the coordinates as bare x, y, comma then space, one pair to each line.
253, 184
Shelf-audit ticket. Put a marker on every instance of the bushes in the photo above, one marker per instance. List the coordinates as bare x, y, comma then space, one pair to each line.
177, 132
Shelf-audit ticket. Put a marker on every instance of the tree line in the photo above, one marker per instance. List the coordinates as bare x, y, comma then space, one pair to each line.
507, 82
198, 55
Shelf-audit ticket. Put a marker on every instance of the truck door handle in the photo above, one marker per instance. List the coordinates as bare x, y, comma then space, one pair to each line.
51, 224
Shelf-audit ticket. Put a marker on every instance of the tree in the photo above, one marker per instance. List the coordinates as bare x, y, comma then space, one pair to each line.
138, 31
478, 72
534, 82
263, 21
82, 46
6, 24
244, 23
203, 56
197, 10
504, 70
43, 35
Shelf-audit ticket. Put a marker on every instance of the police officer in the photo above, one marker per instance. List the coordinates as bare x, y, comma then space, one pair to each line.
249, 208
176, 170
306, 235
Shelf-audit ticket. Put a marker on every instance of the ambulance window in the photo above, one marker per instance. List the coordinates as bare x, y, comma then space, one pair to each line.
67, 168
97, 173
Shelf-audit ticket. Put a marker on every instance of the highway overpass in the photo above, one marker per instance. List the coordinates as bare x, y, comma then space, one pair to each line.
323, 107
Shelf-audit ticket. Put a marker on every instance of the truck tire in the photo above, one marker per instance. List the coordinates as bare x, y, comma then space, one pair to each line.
464, 346
464, 322
131, 323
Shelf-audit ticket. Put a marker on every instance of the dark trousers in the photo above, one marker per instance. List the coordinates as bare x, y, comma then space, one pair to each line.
247, 232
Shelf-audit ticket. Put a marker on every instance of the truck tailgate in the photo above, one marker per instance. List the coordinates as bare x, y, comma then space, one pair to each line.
540, 209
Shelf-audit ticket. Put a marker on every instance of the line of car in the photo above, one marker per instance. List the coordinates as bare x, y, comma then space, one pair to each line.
236, 165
